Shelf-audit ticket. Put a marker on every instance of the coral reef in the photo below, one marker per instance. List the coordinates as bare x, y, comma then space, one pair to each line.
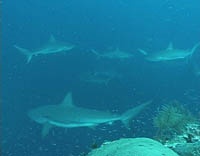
187, 143
178, 129
179, 134
133, 147
171, 120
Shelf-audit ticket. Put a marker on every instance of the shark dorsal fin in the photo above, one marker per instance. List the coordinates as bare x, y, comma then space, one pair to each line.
52, 39
67, 102
170, 46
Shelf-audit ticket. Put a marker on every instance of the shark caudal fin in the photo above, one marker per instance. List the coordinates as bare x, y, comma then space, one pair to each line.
194, 48
26, 52
131, 113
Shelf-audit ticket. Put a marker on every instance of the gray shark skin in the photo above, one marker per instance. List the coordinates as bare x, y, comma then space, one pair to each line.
114, 54
52, 46
169, 54
68, 115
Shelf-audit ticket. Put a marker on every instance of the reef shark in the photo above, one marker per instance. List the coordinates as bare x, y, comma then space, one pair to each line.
170, 53
53, 46
99, 77
67, 115
114, 54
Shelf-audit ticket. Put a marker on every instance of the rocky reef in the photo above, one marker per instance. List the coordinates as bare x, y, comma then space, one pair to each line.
178, 129
133, 147
187, 143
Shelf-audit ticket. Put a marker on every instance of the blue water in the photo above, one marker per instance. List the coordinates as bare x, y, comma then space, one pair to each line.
127, 24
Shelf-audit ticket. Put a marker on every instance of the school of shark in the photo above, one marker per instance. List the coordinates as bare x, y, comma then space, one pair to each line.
67, 115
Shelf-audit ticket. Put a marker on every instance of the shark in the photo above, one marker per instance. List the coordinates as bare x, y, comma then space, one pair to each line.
53, 46
114, 54
169, 54
99, 77
67, 115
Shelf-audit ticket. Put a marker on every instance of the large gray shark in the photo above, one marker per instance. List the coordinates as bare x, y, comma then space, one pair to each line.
170, 53
114, 54
52, 46
67, 115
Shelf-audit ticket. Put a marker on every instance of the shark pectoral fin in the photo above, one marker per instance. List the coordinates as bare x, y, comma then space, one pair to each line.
142, 52
46, 128
29, 57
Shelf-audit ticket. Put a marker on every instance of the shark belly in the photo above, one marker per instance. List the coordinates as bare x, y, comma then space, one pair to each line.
71, 124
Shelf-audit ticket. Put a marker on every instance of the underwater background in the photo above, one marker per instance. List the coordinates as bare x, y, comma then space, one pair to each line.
99, 25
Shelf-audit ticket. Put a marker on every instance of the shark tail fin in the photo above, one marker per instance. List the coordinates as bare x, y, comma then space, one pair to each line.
142, 52
194, 48
131, 113
26, 52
